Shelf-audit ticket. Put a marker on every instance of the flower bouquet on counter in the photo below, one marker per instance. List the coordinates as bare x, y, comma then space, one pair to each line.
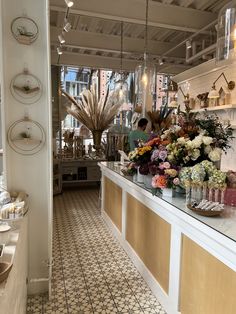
166, 179
129, 169
203, 182
185, 155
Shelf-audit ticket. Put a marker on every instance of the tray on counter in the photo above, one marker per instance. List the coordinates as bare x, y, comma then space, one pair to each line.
206, 213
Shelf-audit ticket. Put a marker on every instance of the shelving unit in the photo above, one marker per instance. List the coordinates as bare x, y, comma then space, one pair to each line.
76, 171
220, 108
216, 108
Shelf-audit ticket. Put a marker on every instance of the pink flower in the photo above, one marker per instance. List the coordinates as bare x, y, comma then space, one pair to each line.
162, 155
155, 155
164, 165
159, 181
176, 181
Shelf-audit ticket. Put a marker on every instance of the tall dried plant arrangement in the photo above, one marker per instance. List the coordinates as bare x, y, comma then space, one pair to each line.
161, 119
95, 115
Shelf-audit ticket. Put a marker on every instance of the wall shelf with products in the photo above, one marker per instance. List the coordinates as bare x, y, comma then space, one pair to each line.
216, 108
76, 171
226, 108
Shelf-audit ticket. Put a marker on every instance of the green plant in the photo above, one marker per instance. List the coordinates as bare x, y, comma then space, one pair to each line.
23, 32
24, 135
222, 133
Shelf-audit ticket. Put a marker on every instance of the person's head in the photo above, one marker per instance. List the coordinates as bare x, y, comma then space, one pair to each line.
142, 124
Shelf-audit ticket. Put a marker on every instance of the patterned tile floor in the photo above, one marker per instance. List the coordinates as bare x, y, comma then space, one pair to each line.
92, 273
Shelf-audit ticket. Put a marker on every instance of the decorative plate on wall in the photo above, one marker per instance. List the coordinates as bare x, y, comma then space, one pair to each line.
26, 88
26, 136
25, 30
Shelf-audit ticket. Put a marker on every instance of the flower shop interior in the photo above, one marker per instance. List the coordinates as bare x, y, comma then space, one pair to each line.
87, 223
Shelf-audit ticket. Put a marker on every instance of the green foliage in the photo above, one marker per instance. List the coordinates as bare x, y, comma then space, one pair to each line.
222, 133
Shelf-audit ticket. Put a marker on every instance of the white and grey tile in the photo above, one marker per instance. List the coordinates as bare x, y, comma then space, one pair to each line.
92, 273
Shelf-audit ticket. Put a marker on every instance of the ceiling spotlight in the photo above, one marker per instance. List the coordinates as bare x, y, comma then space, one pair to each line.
67, 27
188, 44
59, 50
69, 3
161, 61
61, 39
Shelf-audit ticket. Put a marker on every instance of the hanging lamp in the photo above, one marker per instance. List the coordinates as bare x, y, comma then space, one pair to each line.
121, 86
226, 33
145, 73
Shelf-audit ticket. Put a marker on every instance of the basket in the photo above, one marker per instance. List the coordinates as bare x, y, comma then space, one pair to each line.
206, 213
5, 268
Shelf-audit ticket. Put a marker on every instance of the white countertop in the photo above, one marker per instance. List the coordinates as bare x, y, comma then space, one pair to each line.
225, 223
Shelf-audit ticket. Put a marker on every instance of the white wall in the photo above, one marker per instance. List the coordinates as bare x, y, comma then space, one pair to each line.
30, 173
199, 80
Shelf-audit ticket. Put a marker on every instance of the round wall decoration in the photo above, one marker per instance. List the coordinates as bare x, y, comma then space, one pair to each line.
26, 137
26, 88
24, 30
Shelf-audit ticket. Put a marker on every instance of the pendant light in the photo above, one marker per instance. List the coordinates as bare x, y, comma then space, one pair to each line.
226, 33
145, 73
121, 86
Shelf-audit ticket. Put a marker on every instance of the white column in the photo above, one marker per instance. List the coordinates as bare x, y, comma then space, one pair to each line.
175, 261
124, 206
32, 174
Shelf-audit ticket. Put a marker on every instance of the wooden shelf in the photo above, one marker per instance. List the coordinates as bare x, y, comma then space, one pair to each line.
216, 108
82, 181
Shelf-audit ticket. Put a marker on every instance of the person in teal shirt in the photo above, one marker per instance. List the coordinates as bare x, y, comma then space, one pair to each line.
139, 134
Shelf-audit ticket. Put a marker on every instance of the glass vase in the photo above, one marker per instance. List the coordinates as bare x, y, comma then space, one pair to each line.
167, 192
148, 181
140, 177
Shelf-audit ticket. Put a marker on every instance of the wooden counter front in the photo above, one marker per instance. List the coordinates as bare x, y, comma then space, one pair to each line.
207, 285
189, 265
149, 236
113, 202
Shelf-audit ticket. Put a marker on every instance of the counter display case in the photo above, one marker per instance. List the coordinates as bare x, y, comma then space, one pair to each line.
189, 261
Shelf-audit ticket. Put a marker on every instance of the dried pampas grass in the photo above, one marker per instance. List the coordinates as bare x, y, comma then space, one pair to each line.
161, 119
94, 114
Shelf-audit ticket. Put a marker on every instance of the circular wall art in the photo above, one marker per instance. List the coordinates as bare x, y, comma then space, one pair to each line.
26, 137
24, 30
26, 88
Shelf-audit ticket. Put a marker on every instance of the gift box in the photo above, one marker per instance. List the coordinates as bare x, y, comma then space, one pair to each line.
230, 197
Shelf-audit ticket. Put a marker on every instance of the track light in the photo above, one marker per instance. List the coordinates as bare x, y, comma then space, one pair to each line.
161, 61
67, 27
69, 3
61, 39
59, 50
188, 44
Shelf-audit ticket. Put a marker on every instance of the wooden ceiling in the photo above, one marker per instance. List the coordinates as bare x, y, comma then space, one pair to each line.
94, 40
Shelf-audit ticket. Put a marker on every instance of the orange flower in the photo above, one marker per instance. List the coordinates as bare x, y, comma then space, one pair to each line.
154, 141
159, 181
165, 142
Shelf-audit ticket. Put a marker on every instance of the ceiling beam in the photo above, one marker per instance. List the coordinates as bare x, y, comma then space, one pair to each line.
92, 61
112, 42
133, 11
101, 62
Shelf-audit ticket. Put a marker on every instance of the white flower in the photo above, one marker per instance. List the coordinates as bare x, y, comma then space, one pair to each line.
207, 149
165, 134
189, 144
177, 128
195, 154
181, 140
215, 154
207, 140
171, 157
197, 142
